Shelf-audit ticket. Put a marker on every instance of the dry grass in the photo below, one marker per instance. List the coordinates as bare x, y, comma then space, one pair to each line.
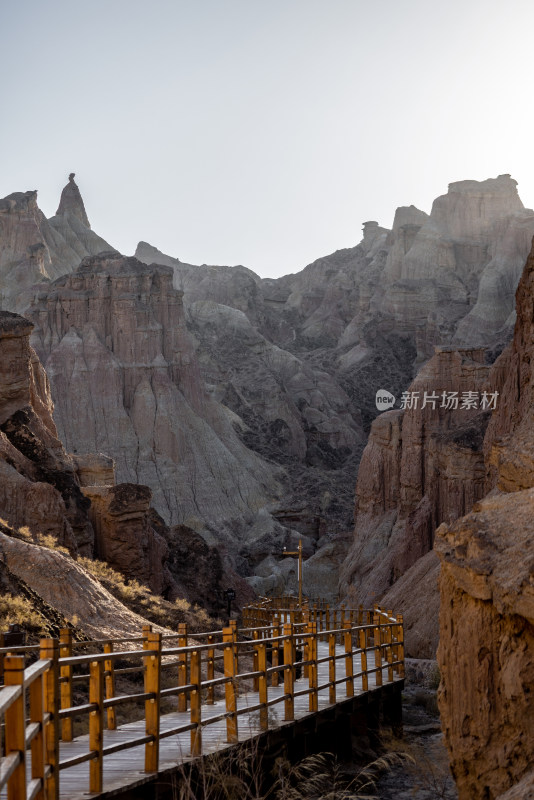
15, 609
140, 599
130, 592
238, 775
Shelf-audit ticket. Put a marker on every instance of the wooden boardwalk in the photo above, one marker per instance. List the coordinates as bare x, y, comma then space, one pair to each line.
126, 768
338, 660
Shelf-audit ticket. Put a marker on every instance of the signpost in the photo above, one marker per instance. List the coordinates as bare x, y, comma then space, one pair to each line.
230, 595
299, 554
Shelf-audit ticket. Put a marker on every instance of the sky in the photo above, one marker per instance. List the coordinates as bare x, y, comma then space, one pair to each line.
261, 132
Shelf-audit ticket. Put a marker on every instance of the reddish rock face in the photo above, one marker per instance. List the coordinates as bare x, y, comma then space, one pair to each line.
124, 536
74, 499
39, 488
486, 651
421, 467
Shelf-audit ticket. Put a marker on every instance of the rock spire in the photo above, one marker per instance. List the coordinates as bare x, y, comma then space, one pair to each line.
71, 202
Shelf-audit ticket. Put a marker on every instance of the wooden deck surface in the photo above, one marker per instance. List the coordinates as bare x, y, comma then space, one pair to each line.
126, 768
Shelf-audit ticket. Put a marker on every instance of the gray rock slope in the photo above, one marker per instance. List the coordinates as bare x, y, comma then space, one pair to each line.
251, 426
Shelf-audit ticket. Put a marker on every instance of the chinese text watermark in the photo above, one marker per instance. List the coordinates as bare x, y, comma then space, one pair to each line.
487, 401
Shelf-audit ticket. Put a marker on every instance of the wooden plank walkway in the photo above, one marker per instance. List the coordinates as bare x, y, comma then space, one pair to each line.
126, 768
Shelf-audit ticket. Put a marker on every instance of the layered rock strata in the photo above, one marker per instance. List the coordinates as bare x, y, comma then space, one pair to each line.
487, 592
34, 249
422, 466
39, 488
113, 339
44, 492
487, 643
320, 343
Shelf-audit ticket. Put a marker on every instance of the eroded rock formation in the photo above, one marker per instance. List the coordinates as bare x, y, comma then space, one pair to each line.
68, 588
74, 499
487, 592
487, 643
421, 466
300, 358
291, 366
39, 488
34, 249
113, 339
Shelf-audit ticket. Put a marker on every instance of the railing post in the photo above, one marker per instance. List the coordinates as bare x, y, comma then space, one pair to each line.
152, 706
289, 676
363, 658
262, 685
349, 661
229, 686
182, 666
389, 651
146, 630
210, 672
400, 635
306, 648
275, 661
15, 727
196, 698
332, 668
378, 649
65, 686
49, 650
255, 681
109, 685
37, 745
312, 672
233, 626
96, 725
2, 657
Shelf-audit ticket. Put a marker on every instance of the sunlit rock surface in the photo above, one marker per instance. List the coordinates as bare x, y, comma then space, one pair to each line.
38, 487
487, 592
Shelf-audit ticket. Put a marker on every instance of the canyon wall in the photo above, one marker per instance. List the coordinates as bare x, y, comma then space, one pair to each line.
72, 501
487, 592
275, 379
113, 340
422, 466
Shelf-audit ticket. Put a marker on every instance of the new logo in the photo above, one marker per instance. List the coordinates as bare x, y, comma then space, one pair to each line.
384, 400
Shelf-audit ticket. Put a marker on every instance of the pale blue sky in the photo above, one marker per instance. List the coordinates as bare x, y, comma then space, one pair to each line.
261, 132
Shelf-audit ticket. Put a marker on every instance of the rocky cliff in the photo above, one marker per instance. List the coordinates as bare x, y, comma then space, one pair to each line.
39, 488
34, 249
113, 340
282, 372
300, 358
487, 643
487, 592
72, 500
456, 280
422, 466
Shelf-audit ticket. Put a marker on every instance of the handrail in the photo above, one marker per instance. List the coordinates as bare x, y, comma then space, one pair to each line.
278, 648
19, 735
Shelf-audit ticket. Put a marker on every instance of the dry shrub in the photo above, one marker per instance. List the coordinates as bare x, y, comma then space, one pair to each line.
17, 610
151, 606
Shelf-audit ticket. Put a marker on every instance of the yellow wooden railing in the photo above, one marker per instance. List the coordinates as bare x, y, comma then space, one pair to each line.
213, 659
